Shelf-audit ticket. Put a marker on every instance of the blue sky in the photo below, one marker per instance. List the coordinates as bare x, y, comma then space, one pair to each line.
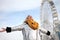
14, 12
17, 17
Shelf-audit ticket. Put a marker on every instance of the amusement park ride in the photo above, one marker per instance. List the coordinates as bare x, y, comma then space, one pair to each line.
45, 19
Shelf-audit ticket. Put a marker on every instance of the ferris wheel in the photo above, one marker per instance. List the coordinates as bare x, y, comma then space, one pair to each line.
44, 17
53, 10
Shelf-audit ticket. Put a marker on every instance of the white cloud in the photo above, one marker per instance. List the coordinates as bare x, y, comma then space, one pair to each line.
18, 5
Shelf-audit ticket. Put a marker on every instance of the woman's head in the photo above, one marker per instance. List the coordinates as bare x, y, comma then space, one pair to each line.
32, 24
